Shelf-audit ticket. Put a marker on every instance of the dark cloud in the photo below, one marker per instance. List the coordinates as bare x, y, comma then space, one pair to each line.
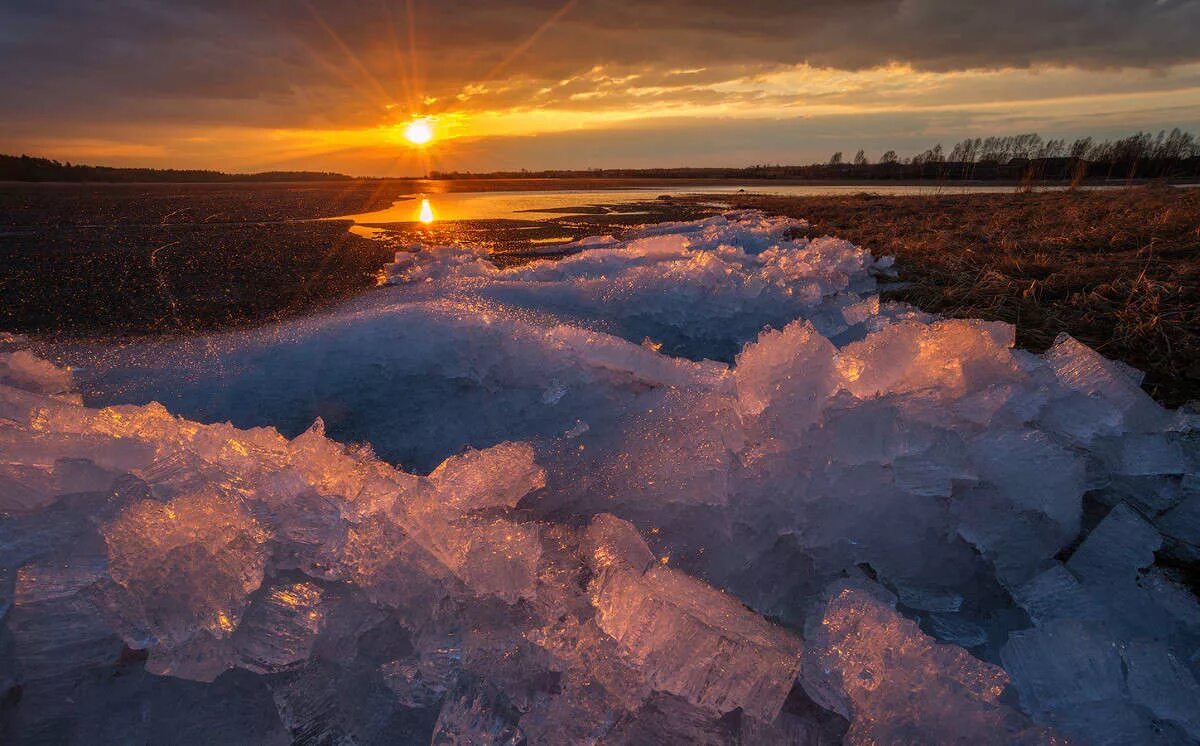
329, 62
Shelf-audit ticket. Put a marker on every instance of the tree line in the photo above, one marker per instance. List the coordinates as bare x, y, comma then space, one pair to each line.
1142, 155
27, 168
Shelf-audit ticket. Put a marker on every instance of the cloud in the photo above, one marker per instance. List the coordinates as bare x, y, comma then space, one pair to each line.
68, 67
289, 53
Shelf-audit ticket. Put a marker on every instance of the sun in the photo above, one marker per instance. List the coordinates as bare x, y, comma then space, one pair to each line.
419, 131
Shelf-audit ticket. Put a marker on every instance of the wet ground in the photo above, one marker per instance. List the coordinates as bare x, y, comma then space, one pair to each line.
97, 260
515, 240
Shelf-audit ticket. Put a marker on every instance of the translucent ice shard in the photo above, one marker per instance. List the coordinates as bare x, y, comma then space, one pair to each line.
1116, 549
188, 565
280, 627
693, 640
1163, 684
897, 685
1062, 663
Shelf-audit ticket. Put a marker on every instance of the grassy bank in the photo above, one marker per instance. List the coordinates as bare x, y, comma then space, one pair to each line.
1119, 270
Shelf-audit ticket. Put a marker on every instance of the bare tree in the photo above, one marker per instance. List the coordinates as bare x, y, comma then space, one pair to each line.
836, 159
889, 157
860, 158
1081, 148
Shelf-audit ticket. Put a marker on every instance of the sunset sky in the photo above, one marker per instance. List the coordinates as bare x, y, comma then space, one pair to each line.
249, 85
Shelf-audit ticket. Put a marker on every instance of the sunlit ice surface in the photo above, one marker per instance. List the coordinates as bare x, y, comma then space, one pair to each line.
602, 503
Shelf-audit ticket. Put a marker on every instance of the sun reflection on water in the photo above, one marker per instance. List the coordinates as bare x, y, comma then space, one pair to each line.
426, 214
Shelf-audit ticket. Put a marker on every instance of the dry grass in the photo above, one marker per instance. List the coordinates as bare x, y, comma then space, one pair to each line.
1119, 270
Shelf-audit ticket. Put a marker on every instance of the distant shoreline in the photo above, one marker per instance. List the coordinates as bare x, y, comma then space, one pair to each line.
489, 184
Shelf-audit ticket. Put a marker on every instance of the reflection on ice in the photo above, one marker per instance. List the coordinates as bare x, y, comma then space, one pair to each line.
873, 520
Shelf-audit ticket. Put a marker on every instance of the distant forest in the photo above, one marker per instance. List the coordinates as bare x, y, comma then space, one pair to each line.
1028, 157
26, 168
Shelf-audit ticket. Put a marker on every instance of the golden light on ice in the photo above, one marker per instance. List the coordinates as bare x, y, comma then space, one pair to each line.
426, 215
419, 131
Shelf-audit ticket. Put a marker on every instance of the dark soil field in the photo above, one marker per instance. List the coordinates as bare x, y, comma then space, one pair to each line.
1117, 269
84, 260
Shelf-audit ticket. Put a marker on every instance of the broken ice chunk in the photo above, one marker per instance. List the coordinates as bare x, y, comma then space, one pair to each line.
28, 372
1056, 594
55, 643
498, 558
1145, 454
952, 356
1082, 369
955, 629
691, 639
899, 686
495, 477
1034, 473
614, 543
189, 564
1181, 526
929, 599
791, 370
280, 627
1163, 684
1062, 663
414, 683
1115, 549
202, 657
58, 578
474, 712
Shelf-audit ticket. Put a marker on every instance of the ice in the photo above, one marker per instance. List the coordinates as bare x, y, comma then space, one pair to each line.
1161, 683
1114, 399
23, 370
1116, 549
1104, 636
696, 642
486, 505
280, 627
1062, 663
477, 714
187, 565
1056, 594
899, 686
699, 289
1181, 527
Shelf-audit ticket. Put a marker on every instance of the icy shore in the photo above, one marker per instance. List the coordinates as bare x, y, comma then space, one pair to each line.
700, 486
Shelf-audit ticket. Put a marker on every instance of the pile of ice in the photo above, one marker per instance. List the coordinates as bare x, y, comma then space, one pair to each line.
874, 526
699, 289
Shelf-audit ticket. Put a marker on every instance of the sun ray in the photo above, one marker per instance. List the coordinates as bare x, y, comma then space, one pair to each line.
372, 82
524, 46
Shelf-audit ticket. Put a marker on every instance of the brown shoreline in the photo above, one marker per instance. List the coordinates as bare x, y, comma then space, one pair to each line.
1119, 270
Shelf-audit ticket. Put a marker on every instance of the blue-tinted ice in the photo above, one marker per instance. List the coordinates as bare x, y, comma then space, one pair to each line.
699, 486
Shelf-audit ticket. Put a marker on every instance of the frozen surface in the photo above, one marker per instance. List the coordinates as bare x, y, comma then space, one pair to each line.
699, 486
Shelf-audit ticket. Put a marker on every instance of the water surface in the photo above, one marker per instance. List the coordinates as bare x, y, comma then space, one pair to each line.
541, 205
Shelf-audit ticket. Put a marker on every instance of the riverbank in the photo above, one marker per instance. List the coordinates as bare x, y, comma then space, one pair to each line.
1119, 269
